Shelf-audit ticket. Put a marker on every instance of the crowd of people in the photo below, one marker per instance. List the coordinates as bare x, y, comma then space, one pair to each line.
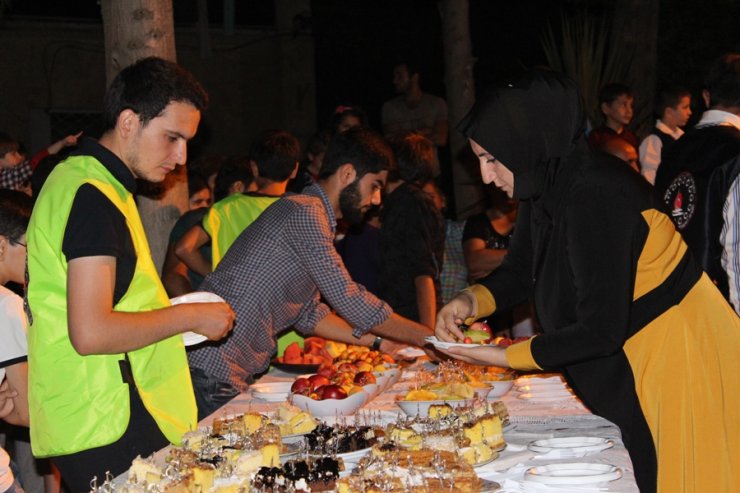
620, 255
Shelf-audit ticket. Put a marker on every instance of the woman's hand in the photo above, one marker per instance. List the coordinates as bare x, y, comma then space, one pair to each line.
452, 316
484, 355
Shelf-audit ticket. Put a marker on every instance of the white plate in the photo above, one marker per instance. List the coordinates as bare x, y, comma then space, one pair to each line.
191, 338
354, 457
410, 352
545, 398
271, 397
446, 345
297, 437
571, 444
573, 473
271, 387
486, 462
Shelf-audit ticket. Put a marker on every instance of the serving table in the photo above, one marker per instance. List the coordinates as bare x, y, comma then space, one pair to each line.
543, 415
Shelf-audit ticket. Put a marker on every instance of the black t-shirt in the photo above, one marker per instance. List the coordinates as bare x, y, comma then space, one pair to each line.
411, 245
96, 227
479, 226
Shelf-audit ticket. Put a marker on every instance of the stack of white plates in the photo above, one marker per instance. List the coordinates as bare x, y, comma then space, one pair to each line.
271, 391
542, 389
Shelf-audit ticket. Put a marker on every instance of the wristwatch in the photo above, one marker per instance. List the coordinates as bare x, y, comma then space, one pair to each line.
376, 344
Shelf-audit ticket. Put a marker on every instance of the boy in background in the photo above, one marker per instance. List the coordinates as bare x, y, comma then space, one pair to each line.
673, 107
15, 171
615, 101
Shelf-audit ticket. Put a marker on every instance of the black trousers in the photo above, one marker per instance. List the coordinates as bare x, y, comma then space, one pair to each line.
142, 437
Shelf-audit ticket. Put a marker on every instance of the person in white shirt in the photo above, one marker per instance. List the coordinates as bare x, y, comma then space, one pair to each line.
699, 180
673, 107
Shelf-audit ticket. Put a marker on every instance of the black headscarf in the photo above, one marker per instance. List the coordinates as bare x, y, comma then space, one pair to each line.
528, 125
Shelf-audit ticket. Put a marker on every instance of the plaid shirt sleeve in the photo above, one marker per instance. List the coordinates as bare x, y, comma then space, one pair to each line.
14, 178
310, 236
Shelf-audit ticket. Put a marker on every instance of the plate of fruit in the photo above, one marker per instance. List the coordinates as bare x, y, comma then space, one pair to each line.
299, 359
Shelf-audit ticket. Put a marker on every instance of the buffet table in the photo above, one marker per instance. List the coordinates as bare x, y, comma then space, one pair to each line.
546, 412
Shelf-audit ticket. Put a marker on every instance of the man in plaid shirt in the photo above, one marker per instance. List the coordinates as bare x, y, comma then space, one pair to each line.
277, 271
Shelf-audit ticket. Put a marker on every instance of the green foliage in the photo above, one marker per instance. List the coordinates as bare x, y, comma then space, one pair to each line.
580, 50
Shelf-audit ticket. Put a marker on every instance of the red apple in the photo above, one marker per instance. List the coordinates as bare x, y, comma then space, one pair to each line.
331, 391
318, 381
484, 326
301, 386
326, 370
347, 367
365, 378
504, 342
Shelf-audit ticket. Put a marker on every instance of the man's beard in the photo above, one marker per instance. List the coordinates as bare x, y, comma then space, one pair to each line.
349, 203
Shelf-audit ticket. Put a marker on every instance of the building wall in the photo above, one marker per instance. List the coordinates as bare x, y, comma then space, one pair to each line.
51, 67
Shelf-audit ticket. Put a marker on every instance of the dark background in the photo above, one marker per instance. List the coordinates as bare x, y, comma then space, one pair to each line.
357, 42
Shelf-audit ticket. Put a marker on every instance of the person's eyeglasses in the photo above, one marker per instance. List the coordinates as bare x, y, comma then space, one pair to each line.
16, 242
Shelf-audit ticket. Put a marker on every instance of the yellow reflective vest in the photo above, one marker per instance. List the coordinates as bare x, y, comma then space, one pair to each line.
227, 218
80, 402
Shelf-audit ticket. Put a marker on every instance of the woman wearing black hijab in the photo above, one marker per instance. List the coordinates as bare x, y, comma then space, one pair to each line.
639, 331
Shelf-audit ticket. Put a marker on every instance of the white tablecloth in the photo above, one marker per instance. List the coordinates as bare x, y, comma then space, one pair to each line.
543, 415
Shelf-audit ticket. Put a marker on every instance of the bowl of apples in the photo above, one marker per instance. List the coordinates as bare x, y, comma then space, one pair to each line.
333, 392
331, 401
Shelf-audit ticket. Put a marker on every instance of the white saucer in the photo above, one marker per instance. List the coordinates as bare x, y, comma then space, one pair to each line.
571, 444
573, 473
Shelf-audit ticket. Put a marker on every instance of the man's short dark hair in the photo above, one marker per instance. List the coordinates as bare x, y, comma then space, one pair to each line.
669, 97
147, 87
276, 153
15, 211
7, 144
416, 157
234, 169
364, 148
196, 183
610, 92
723, 81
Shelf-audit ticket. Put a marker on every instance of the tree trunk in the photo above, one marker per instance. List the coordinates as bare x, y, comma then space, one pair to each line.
297, 63
459, 63
136, 29
635, 30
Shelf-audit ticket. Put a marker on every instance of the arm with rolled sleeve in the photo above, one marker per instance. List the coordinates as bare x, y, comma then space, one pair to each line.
310, 237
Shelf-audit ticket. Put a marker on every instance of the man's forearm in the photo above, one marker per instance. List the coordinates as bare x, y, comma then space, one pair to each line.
402, 329
188, 247
336, 328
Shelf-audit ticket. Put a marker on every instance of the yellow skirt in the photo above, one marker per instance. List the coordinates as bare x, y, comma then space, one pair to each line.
686, 365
